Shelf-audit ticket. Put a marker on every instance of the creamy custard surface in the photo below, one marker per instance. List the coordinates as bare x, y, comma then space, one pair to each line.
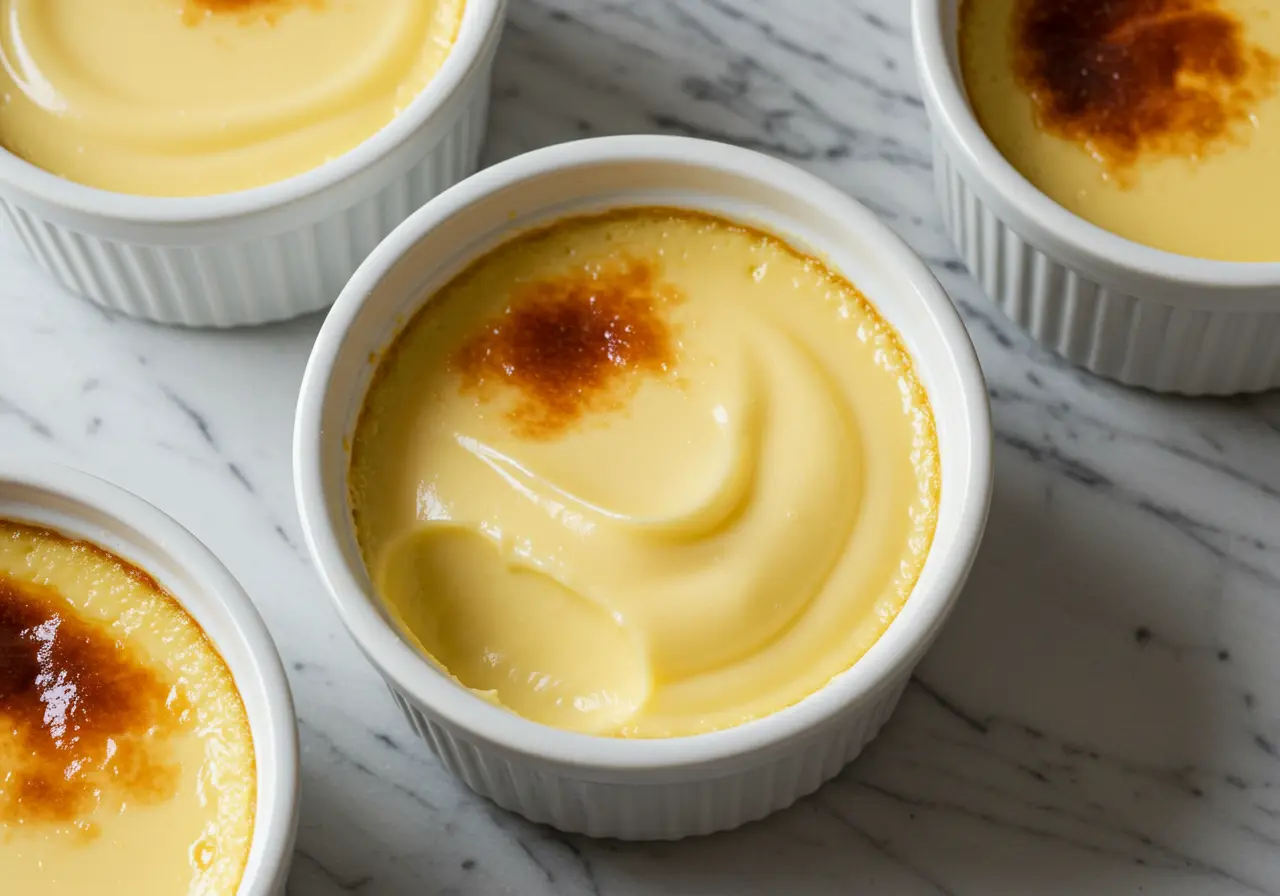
1158, 120
126, 762
645, 474
191, 97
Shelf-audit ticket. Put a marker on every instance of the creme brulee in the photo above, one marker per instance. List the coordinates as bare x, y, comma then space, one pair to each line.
126, 761
192, 97
645, 474
1158, 120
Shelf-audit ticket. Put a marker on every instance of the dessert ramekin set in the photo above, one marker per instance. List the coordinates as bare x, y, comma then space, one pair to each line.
380, 228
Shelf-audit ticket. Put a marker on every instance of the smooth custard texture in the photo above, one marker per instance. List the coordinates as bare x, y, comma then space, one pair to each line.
126, 762
1158, 120
645, 474
191, 97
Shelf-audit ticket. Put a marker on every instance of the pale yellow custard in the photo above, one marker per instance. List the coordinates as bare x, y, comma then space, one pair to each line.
1158, 120
126, 762
193, 97
645, 474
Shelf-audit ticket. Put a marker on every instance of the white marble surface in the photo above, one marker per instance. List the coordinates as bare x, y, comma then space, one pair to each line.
1102, 714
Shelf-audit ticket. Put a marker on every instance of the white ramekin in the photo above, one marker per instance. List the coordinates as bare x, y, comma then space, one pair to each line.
271, 252
84, 507
641, 789
1138, 315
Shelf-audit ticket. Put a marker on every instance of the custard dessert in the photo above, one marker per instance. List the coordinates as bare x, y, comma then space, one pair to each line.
126, 762
645, 474
1157, 120
194, 97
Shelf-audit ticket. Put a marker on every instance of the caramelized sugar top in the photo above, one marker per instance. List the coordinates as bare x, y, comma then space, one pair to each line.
1128, 77
270, 10
87, 715
572, 344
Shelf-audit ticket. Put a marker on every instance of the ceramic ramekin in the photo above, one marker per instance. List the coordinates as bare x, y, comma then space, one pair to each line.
1112, 306
641, 789
271, 252
84, 507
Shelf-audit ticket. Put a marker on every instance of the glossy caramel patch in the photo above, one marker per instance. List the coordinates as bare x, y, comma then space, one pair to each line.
572, 345
248, 10
87, 716
1127, 78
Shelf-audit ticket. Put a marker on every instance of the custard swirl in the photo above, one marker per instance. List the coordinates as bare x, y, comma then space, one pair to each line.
716, 547
151, 97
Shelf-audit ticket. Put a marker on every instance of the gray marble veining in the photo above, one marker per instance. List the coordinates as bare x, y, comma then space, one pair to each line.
1102, 714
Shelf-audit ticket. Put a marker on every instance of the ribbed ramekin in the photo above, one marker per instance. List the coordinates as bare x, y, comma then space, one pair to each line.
86, 508
640, 789
1122, 310
270, 252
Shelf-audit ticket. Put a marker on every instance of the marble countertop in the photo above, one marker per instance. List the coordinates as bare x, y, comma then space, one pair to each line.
1102, 713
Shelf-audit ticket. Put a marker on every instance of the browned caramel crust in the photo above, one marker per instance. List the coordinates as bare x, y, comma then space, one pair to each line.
268, 10
635, 282
572, 344
1126, 78
89, 716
